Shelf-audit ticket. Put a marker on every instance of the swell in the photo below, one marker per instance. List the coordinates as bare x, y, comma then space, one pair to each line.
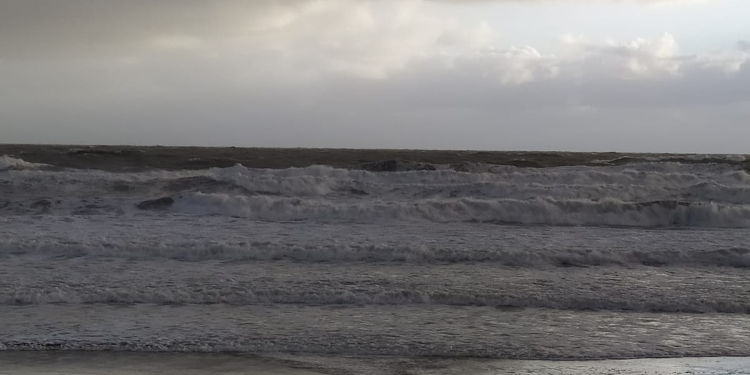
533, 211
640, 195
367, 252
343, 298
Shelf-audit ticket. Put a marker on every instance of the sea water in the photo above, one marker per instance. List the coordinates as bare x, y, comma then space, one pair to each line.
647, 259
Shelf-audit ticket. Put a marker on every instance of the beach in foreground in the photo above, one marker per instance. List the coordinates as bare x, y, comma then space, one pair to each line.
125, 363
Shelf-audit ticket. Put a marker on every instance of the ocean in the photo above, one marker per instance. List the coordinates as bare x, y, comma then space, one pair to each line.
426, 263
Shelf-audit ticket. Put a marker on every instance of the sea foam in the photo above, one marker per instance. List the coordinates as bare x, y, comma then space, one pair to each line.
641, 195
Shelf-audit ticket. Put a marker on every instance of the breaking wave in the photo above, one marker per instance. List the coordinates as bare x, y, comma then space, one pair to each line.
463, 261
666, 194
8, 163
549, 211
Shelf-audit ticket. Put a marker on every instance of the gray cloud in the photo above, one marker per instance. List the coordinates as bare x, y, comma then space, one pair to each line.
79, 28
281, 73
427, 106
76, 28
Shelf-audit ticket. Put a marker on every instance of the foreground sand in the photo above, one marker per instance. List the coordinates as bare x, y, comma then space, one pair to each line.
123, 363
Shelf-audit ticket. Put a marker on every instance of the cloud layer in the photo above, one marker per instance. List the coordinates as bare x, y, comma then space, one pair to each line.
348, 74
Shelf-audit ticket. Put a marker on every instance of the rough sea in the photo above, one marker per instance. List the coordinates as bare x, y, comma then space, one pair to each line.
644, 259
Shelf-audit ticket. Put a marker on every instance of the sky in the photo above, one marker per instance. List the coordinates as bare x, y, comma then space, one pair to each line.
574, 75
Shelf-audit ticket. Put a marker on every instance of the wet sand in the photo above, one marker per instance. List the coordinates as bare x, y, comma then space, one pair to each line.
131, 158
127, 363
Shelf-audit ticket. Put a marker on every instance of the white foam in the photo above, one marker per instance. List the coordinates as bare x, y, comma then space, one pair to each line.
8, 162
647, 194
250, 260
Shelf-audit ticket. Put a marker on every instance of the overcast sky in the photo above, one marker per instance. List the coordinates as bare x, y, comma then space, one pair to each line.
582, 75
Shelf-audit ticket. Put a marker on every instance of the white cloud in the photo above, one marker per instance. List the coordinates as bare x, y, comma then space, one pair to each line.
366, 38
551, 1
385, 39
637, 58
313, 39
644, 58
727, 62
509, 66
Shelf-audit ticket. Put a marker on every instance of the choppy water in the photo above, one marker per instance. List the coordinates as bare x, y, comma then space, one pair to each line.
638, 260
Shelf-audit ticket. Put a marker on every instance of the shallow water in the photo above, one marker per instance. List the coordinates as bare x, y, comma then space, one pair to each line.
394, 330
